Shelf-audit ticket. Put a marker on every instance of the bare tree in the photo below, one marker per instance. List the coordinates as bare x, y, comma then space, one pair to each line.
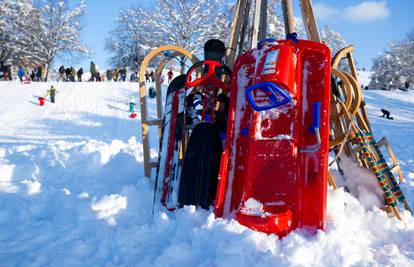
53, 30
186, 23
129, 42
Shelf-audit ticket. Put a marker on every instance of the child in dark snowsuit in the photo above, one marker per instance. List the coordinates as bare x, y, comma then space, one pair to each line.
52, 92
386, 114
79, 74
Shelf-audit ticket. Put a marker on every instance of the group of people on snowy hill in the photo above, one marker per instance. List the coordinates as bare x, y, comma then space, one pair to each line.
69, 74
5, 73
34, 75
119, 75
149, 76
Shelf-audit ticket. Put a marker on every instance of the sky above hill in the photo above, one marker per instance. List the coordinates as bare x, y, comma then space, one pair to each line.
369, 25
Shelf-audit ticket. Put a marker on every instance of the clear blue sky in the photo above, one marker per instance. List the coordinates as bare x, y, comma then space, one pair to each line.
99, 21
371, 26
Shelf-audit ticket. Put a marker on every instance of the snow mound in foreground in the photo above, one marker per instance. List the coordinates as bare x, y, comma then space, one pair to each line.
74, 194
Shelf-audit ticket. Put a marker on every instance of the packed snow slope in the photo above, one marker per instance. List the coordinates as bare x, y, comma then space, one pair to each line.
73, 193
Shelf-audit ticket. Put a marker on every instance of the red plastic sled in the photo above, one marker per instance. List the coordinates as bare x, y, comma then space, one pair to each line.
133, 115
273, 171
42, 101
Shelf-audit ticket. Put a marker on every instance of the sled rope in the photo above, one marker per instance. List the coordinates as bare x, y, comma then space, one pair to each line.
349, 130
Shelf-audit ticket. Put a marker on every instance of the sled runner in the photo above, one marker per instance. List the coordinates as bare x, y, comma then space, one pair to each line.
168, 167
195, 181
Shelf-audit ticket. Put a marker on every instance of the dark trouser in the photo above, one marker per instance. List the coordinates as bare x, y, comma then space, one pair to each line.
52, 98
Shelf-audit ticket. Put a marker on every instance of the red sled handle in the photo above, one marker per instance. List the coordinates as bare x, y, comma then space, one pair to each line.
210, 79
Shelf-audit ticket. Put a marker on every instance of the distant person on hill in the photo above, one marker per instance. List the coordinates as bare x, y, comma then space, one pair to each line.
36, 75
39, 73
79, 74
73, 73
61, 74
132, 104
115, 75
386, 114
6, 73
170, 75
133, 77
52, 93
147, 77
68, 73
98, 77
123, 73
32, 75
44, 74
93, 72
109, 75
20, 73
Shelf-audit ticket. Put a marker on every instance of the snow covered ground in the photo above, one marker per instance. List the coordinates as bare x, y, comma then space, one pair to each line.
72, 193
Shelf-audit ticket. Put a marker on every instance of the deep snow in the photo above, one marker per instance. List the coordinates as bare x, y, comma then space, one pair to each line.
73, 193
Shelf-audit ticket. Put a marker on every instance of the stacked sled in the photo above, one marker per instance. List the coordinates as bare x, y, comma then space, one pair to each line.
251, 140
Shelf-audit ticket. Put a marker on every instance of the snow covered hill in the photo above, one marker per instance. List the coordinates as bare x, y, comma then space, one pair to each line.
72, 193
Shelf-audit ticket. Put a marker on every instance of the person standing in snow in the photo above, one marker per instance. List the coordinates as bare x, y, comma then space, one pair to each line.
43, 75
35, 77
39, 73
52, 93
115, 75
133, 77
93, 72
109, 75
170, 75
79, 74
20, 73
123, 74
152, 75
131, 104
32, 75
68, 73
98, 77
61, 74
73, 73
147, 77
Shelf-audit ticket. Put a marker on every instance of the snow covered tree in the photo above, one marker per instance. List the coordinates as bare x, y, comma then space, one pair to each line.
221, 27
11, 13
393, 68
6, 49
334, 40
127, 42
185, 23
275, 22
53, 30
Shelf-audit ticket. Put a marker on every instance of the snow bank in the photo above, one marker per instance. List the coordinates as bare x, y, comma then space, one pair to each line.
72, 193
